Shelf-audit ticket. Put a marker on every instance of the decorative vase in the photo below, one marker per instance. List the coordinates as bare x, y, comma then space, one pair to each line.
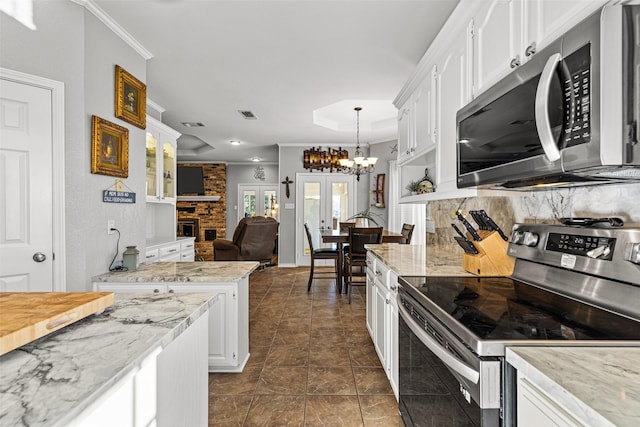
130, 258
362, 222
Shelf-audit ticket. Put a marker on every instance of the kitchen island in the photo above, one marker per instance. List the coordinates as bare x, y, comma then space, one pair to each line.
141, 359
228, 321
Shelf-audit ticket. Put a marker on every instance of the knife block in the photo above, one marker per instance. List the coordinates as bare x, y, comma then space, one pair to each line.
492, 258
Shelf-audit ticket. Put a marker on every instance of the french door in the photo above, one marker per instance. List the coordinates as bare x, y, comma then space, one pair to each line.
257, 200
323, 201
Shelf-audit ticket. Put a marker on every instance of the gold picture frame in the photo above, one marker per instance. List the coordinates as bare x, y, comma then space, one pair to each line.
109, 148
131, 98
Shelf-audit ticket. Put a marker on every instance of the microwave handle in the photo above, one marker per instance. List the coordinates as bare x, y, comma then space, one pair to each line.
542, 109
448, 359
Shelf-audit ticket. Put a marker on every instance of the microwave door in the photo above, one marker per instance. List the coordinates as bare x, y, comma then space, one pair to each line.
543, 124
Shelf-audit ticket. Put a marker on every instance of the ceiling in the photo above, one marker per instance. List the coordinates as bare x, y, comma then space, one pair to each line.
287, 61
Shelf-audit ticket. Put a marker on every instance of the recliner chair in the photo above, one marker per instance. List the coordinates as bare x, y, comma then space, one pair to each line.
253, 240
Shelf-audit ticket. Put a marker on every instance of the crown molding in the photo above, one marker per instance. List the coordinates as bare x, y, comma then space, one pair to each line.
155, 106
115, 27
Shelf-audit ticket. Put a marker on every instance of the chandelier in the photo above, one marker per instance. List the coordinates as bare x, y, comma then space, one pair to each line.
359, 165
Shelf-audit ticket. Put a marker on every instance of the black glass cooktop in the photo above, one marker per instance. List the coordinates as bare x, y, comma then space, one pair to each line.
500, 308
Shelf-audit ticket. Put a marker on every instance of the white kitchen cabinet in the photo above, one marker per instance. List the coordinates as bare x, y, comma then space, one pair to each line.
535, 408
507, 33
228, 318
161, 162
382, 316
181, 250
417, 121
168, 388
188, 250
454, 84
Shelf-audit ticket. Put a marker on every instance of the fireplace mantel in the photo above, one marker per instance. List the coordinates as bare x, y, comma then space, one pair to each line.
198, 198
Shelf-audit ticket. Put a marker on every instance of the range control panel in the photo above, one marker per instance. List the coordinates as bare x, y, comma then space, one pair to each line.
576, 244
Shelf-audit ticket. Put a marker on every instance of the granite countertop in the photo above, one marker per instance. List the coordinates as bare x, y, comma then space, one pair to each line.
208, 271
412, 260
50, 381
598, 385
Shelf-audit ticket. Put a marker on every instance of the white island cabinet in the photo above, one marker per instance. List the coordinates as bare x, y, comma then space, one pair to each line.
142, 362
228, 320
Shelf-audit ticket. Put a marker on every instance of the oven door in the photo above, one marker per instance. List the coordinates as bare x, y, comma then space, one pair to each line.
441, 382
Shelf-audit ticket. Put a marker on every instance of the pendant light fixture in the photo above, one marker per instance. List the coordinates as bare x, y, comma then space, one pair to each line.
359, 165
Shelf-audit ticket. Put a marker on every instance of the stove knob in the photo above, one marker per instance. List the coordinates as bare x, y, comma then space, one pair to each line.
531, 239
517, 237
632, 253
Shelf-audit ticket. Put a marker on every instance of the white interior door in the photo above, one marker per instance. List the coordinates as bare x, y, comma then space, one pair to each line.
323, 201
258, 200
26, 210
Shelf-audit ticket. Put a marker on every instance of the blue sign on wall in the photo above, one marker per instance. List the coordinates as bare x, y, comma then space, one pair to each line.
111, 196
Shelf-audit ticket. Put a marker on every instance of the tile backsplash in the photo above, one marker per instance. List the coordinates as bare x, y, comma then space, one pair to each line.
621, 201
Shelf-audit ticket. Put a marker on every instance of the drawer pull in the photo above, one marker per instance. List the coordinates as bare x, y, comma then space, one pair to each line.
172, 250
156, 291
171, 291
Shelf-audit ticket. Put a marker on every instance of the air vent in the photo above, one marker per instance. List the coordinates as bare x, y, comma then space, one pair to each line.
193, 124
247, 114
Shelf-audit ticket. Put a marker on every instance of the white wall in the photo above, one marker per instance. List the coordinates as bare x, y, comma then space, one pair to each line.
72, 46
245, 174
383, 152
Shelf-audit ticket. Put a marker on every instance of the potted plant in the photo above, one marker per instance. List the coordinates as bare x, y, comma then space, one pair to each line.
362, 218
413, 186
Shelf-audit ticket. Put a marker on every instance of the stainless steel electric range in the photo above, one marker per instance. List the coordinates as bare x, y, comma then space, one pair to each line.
572, 285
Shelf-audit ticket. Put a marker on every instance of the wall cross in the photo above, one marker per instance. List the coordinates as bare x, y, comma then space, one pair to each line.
287, 181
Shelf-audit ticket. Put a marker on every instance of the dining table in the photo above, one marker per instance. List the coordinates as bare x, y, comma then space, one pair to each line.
340, 237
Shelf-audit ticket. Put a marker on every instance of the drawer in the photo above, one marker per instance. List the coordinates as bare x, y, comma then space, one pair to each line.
187, 256
187, 246
152, 255
169, 250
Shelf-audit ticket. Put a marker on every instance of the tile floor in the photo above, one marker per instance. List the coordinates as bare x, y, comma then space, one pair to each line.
312, 361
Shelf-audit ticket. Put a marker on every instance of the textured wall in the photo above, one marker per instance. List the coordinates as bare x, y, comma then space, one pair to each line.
211, 215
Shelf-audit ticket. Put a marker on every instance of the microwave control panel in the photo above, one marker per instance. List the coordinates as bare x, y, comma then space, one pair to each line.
577, 97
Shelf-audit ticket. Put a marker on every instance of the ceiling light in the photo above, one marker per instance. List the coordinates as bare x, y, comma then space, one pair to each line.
234, 142
193, 124
255, 159
359, 165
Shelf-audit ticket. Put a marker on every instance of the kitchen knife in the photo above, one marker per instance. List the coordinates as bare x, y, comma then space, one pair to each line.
468, 226
478, 218
466, 245
493, 225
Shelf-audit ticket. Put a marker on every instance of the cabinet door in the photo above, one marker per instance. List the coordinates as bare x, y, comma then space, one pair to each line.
370, 301
392, 351
153, 187
425, 115
546, 20
454, 78
497, 35
534, 408
380, 319
223, 322
168, 177
405, 133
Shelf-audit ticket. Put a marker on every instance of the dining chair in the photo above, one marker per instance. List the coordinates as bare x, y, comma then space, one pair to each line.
356, 255
321, 253
407, 232
345, 226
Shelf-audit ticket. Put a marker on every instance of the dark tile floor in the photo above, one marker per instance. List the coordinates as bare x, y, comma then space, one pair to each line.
312, 361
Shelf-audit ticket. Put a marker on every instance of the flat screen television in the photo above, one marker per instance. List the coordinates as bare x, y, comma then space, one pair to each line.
190, 181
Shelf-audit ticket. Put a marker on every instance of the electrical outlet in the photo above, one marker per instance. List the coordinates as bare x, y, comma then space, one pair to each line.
111, 223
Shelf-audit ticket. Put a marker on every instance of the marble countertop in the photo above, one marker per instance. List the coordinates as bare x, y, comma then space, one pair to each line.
207, 271
412, 260
50, 381
599, 385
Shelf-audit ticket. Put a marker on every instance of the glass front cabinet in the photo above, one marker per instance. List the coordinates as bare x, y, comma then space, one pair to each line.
161, 162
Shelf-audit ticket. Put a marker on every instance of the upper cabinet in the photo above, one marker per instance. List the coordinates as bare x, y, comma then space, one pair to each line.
481, 42
161, 162
507, 33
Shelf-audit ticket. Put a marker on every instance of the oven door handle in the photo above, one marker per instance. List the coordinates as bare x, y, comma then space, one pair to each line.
447, 358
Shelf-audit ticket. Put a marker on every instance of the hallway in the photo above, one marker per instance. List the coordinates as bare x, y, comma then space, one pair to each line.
312, 361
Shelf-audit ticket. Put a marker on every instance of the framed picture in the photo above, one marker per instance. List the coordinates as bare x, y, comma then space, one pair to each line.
131, 99
109, 148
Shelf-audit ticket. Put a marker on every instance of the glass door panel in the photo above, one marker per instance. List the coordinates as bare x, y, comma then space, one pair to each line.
339, 204
248, 203
271, 206
169, 170
152, 178
311, 213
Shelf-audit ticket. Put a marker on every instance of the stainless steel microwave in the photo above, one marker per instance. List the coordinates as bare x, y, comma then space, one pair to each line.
569, 116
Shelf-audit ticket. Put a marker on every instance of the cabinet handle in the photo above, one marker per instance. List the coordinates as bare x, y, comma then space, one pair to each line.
156, 291
413, 149
172, 250
150, 256
531, 50
394, 288
378, 273
171, 291
388, 301
407, 151
515, 62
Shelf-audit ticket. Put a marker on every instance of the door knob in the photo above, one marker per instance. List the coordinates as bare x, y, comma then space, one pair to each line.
39, 257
